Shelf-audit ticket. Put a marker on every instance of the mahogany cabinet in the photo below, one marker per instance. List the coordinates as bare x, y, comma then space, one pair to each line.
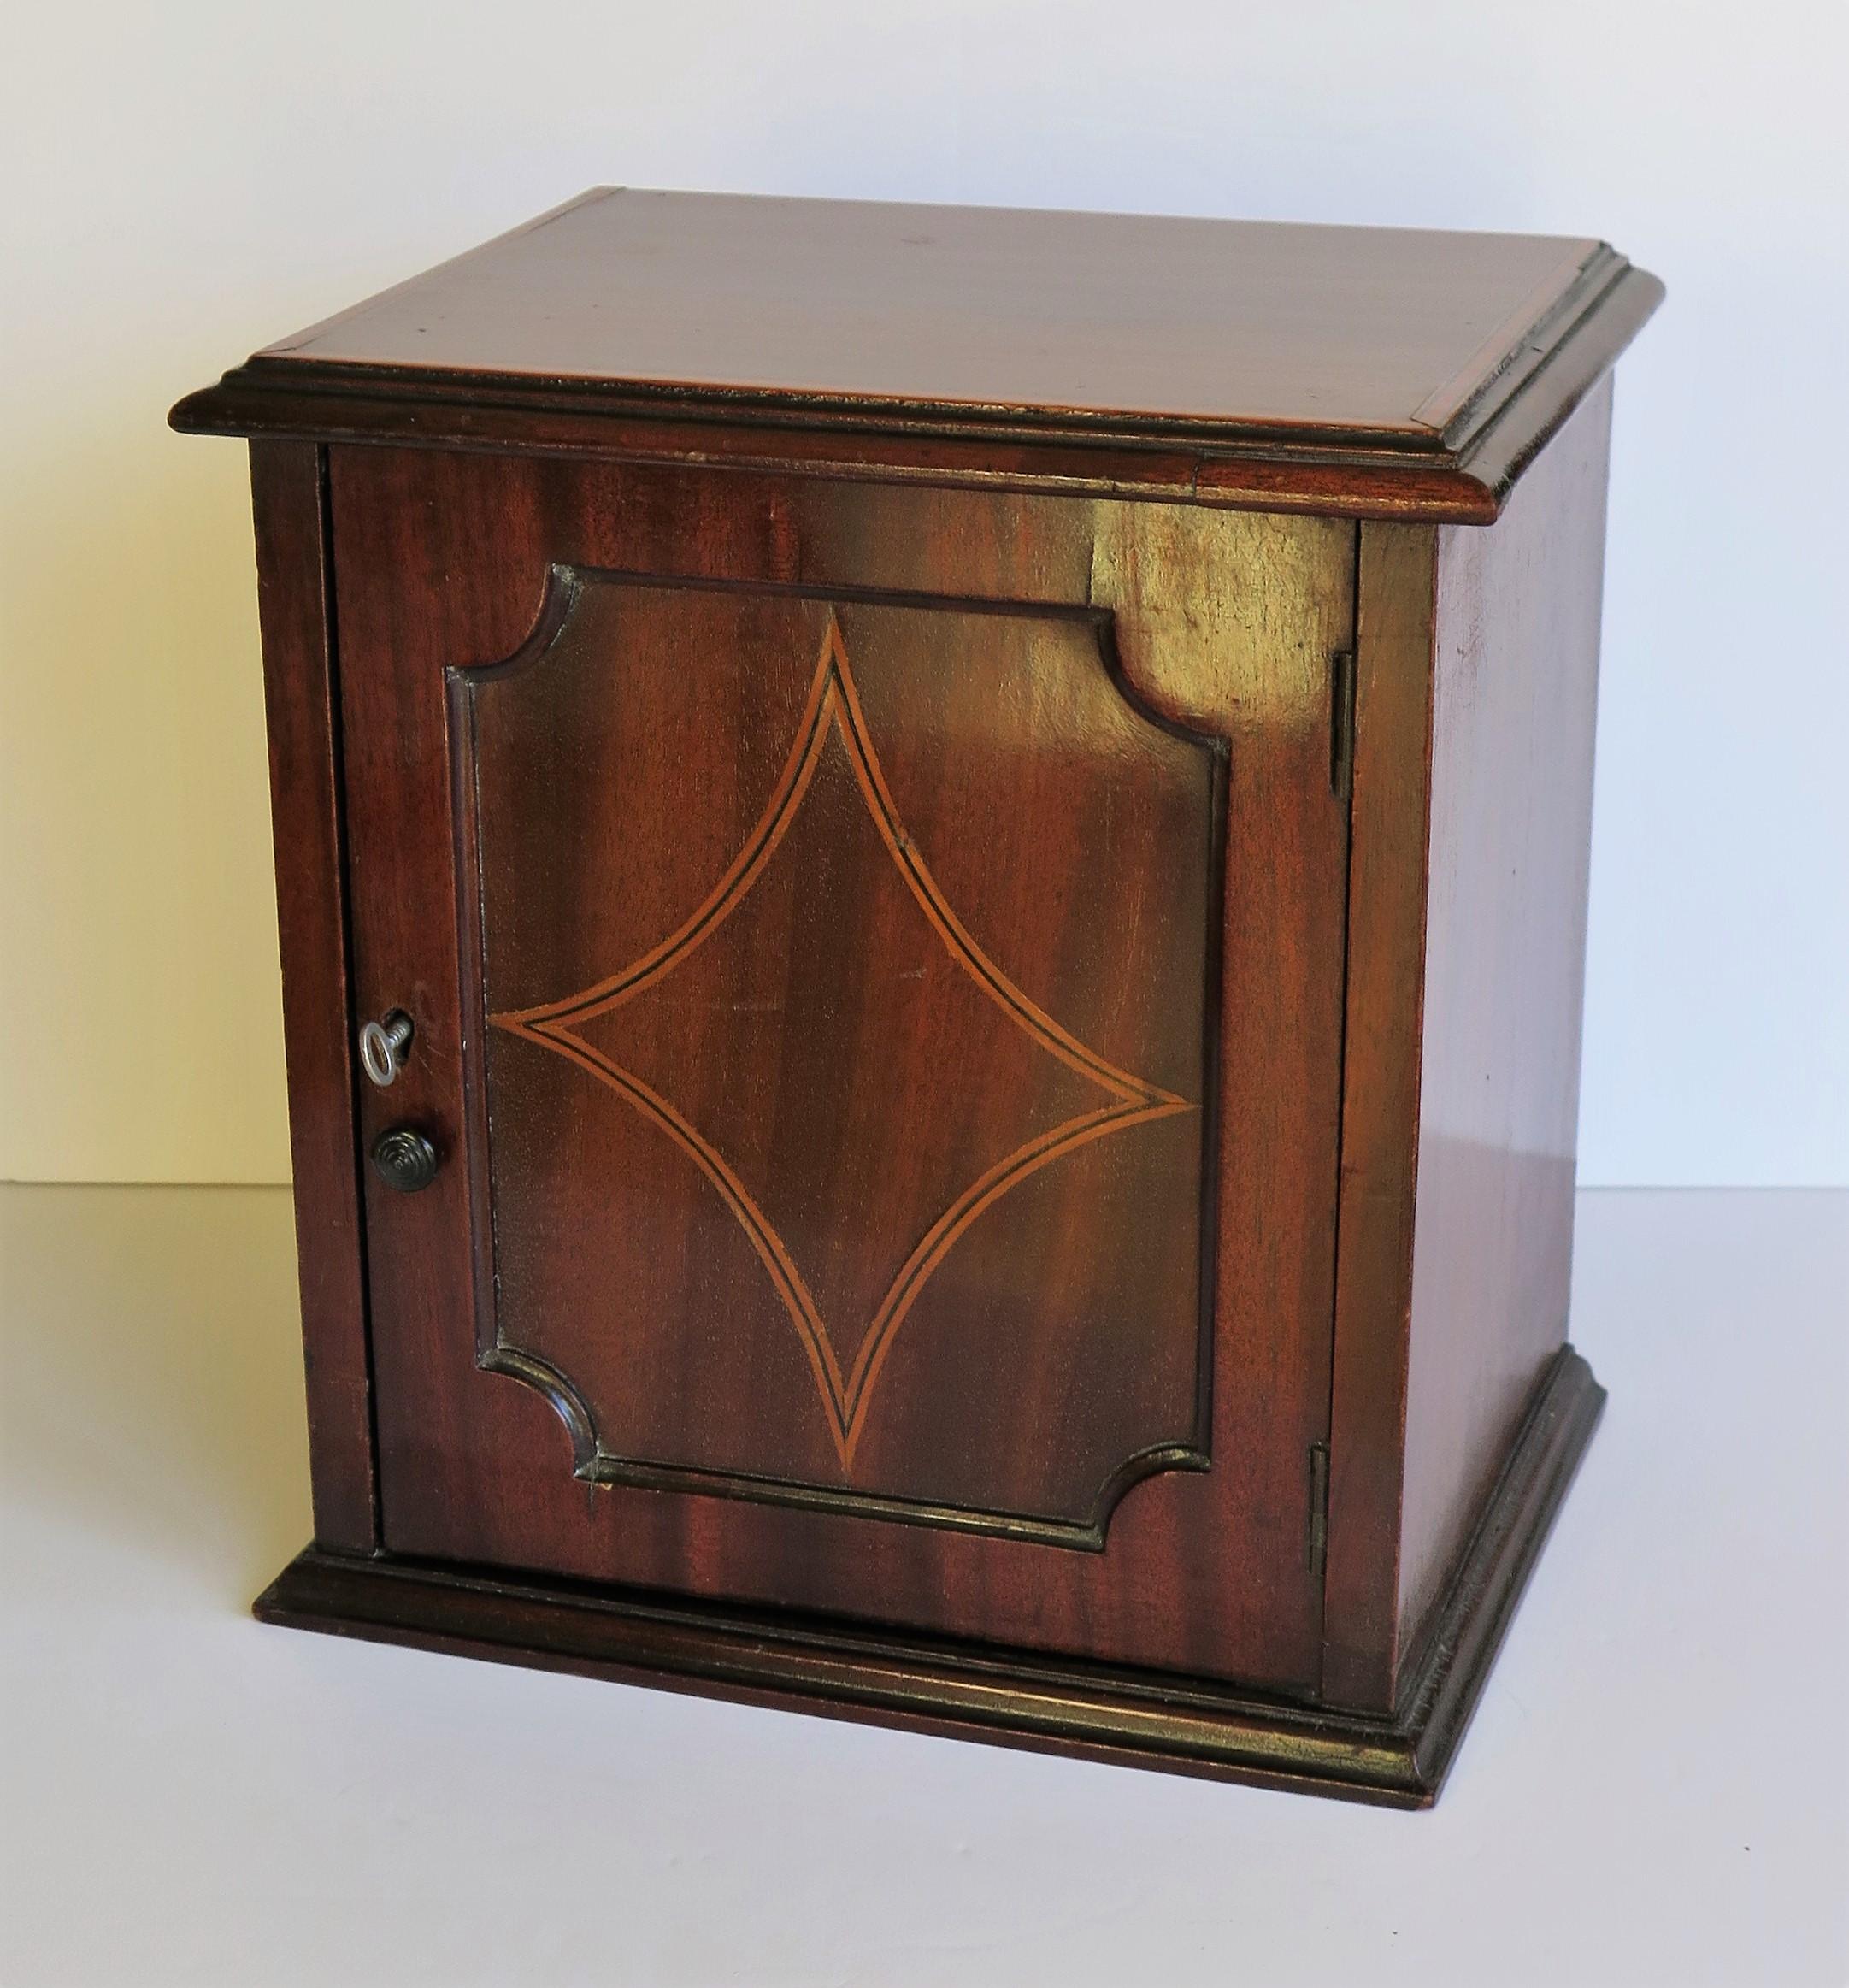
932, 869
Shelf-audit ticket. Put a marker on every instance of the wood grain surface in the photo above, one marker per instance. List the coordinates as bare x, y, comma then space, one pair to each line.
1130, 1717
1381, 371
1220, 626
294, 602
1252, 323
1478, 661
981, 821
1515, 691
693, 783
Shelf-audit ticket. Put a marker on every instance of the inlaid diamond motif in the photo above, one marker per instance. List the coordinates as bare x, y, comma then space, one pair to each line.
833, 773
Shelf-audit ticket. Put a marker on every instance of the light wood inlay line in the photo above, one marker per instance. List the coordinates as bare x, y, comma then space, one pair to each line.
834, 706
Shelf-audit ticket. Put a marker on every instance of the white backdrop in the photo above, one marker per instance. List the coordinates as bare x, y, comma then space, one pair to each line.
184, 182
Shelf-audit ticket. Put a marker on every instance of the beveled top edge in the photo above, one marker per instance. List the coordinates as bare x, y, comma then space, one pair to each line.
492, 349
1172, 322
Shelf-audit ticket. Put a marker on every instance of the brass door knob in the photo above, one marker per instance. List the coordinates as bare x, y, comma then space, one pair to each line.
404, 1159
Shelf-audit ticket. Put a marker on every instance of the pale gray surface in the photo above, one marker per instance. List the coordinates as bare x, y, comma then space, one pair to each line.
1653, 1791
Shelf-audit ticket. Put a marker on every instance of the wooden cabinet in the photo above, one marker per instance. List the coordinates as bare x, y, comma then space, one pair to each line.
932, 871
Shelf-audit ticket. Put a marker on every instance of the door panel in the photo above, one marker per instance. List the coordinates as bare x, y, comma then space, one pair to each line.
875, 958
809, 1199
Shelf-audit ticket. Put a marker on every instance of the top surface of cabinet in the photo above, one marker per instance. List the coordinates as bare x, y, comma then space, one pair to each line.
1239, 322
1318, 348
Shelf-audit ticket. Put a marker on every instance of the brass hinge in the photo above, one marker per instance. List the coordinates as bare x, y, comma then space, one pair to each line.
1319, 1508
1342, 721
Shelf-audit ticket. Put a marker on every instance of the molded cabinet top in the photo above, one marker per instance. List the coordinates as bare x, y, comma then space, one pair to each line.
1358, 370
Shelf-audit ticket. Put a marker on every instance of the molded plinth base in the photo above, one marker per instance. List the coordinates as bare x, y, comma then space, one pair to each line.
1016, 1698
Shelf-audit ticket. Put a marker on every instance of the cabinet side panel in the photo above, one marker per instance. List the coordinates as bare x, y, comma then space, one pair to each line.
287, 481
1515, 662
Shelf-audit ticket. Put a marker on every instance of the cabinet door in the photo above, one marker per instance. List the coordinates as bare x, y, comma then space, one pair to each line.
875, 958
